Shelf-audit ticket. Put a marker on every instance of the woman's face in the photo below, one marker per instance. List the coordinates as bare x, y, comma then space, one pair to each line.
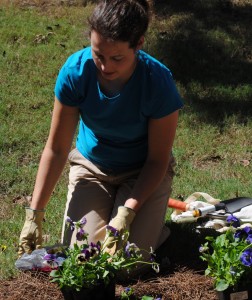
113, 59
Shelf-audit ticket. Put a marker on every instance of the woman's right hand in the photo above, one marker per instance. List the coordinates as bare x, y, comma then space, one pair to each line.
64, 122
31, 234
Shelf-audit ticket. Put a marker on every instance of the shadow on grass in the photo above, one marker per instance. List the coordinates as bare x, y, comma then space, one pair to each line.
217, 112
207, 45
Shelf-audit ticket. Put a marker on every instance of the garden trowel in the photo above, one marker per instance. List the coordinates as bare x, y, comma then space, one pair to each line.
220, 209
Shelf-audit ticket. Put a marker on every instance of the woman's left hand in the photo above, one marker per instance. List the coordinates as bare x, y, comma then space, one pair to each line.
117, 227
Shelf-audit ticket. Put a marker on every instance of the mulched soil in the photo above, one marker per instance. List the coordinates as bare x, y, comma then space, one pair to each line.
181, 274
182, 284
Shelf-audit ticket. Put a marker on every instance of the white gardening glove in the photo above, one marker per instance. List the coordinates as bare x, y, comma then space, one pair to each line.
245, 214
31, 234
121, 222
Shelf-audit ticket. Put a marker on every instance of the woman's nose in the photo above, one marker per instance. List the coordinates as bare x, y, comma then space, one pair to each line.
105, 66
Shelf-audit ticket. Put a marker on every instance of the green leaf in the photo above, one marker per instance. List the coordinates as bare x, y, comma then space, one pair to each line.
54, 273
221, 285
106, 273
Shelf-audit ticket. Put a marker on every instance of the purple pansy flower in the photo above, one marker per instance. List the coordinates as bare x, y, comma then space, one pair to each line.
249, 238
246, 257
248, 229
203, 249
243, 233
94, 248
84, 256
83, 221
50, 257
80, 234
152, 256
113, 230
131, 249
71, 223
235, 222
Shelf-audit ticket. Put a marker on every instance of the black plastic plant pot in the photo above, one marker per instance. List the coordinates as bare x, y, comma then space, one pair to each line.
241, 293
99, 292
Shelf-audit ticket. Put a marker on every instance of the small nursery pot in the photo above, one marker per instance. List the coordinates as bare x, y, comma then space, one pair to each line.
241, 293
98, 292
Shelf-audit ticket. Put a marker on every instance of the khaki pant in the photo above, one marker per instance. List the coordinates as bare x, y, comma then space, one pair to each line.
96, 194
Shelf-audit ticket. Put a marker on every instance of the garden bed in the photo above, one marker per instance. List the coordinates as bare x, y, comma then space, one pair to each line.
182, 284
181, 274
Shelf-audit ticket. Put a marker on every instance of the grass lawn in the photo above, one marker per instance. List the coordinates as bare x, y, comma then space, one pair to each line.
207, 46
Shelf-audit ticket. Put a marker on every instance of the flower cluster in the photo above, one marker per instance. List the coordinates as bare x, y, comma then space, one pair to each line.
88, 264
229, 256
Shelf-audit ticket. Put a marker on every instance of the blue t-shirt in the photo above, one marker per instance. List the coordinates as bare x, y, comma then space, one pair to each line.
113, 132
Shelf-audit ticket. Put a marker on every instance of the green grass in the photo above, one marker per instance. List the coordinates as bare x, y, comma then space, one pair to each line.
208, 49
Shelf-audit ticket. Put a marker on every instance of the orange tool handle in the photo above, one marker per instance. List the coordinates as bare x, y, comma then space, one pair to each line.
177, 204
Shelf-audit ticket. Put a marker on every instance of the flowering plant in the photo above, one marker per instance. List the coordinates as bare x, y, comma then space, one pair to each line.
229, 256
88, 264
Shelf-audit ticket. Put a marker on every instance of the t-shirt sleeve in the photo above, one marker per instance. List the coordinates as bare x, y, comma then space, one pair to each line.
66, 89
73, 78
165, 97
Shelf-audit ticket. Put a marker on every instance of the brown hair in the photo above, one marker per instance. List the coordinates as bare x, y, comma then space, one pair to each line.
121, 20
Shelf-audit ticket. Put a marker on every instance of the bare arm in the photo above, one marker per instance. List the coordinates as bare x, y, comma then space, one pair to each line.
160, 140
55, 153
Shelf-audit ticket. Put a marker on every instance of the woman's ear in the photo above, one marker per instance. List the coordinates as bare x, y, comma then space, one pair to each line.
140, 43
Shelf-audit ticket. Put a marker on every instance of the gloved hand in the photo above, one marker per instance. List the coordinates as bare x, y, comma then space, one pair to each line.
121, 222
245, 214
31, 234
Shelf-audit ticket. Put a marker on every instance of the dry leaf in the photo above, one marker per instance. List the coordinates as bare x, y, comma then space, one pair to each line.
245, 162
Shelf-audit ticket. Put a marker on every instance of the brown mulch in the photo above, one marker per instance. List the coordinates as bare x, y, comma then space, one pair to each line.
29, 285
180, 285
181, 274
